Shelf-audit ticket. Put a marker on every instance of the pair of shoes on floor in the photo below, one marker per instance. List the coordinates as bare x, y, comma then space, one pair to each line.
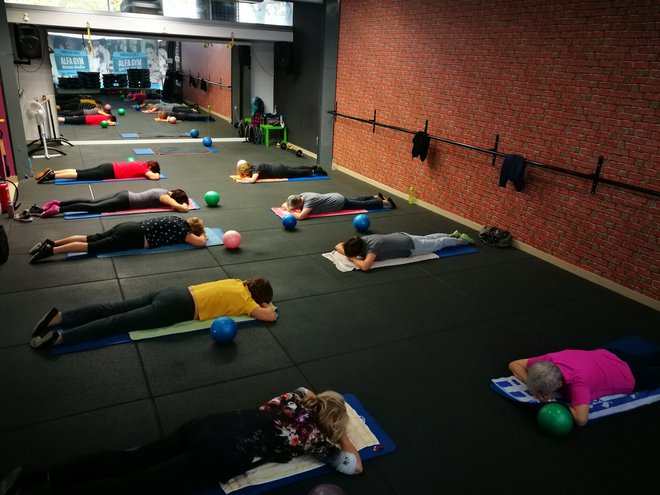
467, 238
455, 234
42, 335
392, 203
35, 210
319, 171
46, 175
380, 195
50, 211
46, 206
44, 251
23, 216
38, 245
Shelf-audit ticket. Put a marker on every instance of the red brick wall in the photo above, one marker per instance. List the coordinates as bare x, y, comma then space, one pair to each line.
561, 81
212, 63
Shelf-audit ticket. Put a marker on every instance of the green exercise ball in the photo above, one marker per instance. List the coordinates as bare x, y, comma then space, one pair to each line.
130, 159
121, 111
104, 124
555, 419
212, 198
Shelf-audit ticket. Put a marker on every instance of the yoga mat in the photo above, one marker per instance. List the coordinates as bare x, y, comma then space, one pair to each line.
247, 484
513, 389
281, 212
214, 239
343, 264
194, 149
68, 182
267, 181
192, 205
130, 135
143, 151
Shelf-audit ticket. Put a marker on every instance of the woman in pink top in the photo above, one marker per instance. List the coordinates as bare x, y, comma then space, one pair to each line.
582, 376
115, 170
88, 119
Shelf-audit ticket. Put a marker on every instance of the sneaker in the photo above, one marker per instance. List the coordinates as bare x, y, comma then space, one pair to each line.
37, 246
320, 171
35, 210
54, 202
47, 177
45, 251
41, 174
467, 238
23, 216
45, 341
455, 234
42, 326
380, 195
51, 212
392, 203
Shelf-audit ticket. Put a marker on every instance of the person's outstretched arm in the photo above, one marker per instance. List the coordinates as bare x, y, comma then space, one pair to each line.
167, 200
196, 240
519, 369
340, 248
300, 214
253, 178
152, 175
264, 313
347, 446
364, 264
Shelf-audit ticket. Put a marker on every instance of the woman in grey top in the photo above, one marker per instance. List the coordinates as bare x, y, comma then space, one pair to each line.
302, 205
363, 251
176, 199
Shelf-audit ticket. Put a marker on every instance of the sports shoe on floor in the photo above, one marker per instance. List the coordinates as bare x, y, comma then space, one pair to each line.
37, 246
467, 238
42, 326
35, 210
320, 171
380, 195
54, 202
23, 216
456, 234
392, 203
44, 341
42, 173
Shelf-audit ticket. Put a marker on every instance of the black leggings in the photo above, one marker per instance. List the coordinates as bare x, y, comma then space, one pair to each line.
121, 237
363, 202
645, 368
190, 116
286, 172
100, 172
76, 120
159, 309
116, 202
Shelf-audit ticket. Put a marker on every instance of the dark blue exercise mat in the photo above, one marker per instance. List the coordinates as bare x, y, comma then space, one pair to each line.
386, 446
513, 389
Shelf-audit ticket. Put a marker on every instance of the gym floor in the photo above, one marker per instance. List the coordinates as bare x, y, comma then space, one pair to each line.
417, 344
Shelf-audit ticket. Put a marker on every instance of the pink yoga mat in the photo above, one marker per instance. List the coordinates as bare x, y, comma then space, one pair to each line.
280, 212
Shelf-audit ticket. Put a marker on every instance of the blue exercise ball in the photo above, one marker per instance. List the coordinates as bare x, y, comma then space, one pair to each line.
137, 107
194, 133
207, 141
223, 330
361, 222
289, 221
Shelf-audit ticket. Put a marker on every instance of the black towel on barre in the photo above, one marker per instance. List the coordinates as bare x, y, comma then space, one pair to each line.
513, 169
421, 143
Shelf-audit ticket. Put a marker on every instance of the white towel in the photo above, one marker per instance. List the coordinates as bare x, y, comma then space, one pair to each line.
343, 264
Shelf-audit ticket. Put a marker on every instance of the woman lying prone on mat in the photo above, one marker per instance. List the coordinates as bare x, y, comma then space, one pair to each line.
158, 309
177, 200
363, 251
89, 119
582, 376
164, 116
195, 457
308, 203
104, 171
252, 173
168, 107
151, 233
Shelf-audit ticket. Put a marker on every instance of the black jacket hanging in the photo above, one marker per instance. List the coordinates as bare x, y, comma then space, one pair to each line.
203, 86
192, 81
421, 143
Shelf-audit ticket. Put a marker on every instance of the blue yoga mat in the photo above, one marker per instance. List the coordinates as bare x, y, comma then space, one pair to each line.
68, 182
456, 251
214, 239
294, 179
386, 446
513, 389
143, 151
130, 135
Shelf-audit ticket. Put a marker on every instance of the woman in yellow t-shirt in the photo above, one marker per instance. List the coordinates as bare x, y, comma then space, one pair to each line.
230, 297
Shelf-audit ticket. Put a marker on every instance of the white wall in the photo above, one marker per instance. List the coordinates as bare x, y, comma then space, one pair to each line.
262, 73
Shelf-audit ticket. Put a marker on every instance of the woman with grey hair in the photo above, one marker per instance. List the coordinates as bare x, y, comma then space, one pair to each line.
582, 376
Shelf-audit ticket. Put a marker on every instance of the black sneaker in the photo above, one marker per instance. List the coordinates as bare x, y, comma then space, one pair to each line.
37, 246
380, 195
45, 251
392, 203
35, 210
320, 171
23, 216
42, 326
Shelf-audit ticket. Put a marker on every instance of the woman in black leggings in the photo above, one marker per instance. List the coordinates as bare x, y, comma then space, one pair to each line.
104, 171
151, 233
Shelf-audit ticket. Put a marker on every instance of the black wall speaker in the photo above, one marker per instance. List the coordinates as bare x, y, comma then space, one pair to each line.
28, 41
244, 57
283, 55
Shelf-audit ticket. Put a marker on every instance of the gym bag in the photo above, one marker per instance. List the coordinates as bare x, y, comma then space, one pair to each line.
495, 237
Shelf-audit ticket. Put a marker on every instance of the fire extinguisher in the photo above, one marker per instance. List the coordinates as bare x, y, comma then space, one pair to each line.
5, 201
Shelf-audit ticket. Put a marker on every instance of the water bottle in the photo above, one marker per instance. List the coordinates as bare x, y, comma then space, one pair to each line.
411, 195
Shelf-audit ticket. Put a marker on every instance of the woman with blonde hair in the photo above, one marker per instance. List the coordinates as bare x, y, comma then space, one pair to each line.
251, 173
215, 448
150, 233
